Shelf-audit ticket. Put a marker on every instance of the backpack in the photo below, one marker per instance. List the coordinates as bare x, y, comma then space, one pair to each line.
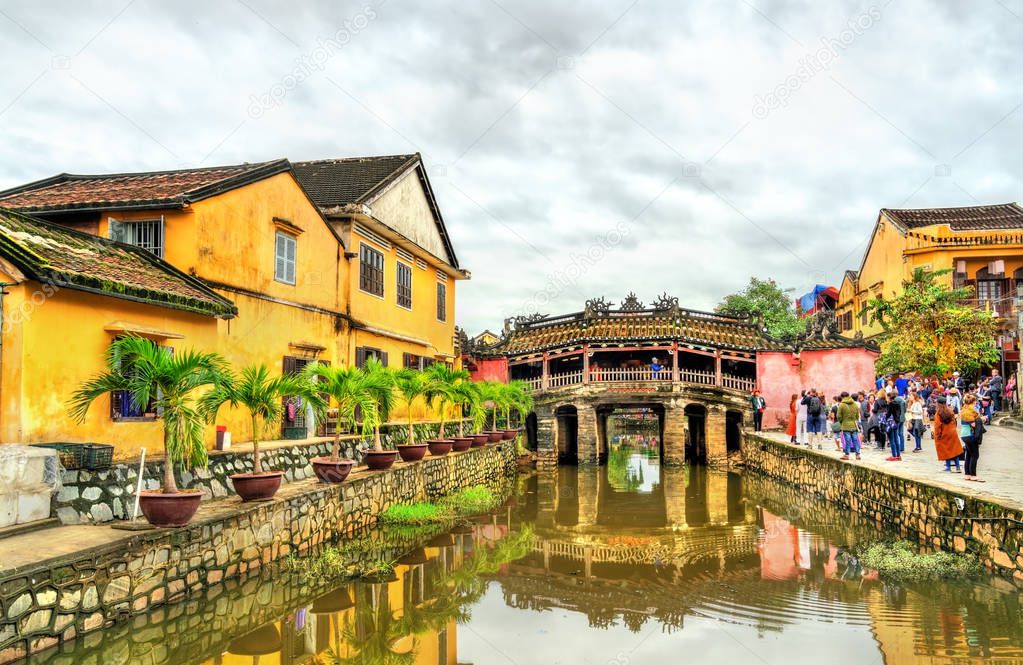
813, 407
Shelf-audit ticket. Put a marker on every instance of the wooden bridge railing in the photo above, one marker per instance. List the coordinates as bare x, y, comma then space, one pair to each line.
642, 374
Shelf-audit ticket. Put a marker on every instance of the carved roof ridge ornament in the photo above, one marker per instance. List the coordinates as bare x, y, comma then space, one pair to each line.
596, 307
525, 321
631, 303
669, 304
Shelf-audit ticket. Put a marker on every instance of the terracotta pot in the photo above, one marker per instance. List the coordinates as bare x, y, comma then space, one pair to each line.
169, 509
412, 452
257, 486
379, 460
496, 435
263, 641
480, 440
414, 558
510, 434
462, 443
332, 470
337, 600
440, 447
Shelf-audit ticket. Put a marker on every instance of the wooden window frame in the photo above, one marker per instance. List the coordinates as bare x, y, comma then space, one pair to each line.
442, 302
371, 276
403, 297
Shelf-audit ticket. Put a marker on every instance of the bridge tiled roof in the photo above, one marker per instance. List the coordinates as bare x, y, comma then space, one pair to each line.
682, 325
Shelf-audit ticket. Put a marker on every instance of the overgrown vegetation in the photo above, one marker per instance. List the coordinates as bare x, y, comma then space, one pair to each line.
901, 562
471, 501
764, 300
356, 558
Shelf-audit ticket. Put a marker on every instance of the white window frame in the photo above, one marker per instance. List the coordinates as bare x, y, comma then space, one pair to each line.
279, 261
125, 230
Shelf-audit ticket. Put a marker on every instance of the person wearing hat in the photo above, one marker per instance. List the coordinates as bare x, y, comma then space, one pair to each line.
759, 404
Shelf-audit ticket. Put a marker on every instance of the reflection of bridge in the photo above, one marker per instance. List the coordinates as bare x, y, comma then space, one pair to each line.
694, 369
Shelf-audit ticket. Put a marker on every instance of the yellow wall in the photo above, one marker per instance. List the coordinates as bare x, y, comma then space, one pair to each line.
892, 257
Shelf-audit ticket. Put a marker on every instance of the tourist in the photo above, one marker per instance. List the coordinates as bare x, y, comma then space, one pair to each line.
985, 400
595, 371
957, 381
836, 428
915, 413
759, 404
864, 404
971, 430
814, 415
848, 416
954, 400
801, 433
889, 420
880, 413
902, 385
900, 402
946, 439
997, 386
655, 370
791, 430
1010, 392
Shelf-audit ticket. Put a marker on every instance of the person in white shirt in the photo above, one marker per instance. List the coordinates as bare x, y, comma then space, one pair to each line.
801, 437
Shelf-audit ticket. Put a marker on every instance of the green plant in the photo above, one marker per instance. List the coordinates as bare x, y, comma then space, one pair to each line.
410, 386
380, 385
262, 396
901, 562
494, 398
414, 514
763, 299
440, 386
148, 374
470, 501
932, 328
353, 393
466, 396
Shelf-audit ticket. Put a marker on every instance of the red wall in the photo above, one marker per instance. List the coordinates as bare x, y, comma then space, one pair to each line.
780, 374
489, 369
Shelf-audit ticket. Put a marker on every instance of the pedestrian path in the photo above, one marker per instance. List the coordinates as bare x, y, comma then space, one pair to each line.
1001, 465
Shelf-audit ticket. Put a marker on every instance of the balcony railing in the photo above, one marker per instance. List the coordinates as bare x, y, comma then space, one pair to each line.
642, 374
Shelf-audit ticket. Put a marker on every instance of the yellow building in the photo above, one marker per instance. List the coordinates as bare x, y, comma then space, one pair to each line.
278, 280
981, 245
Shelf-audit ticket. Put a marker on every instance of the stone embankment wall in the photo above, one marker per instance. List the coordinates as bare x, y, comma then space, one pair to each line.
62, 598
934, 516
101, 496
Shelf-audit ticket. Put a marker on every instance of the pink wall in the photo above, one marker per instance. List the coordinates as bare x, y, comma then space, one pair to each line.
779, 375
489, 369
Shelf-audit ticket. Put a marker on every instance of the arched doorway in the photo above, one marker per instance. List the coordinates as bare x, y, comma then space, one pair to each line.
696, 442
733, 431
568, 434
531, 425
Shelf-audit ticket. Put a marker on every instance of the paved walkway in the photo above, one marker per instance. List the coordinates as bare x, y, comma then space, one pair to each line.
1000, 465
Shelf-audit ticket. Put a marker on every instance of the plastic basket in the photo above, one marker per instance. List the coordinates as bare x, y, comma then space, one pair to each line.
97, 456
70, 455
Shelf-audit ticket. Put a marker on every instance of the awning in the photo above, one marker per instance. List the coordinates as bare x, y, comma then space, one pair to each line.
141, 330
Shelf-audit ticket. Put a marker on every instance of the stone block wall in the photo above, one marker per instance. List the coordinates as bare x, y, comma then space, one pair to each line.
934, 516
101, 496
60, 599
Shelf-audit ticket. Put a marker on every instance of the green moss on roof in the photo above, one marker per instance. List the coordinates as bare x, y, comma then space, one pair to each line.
64, 257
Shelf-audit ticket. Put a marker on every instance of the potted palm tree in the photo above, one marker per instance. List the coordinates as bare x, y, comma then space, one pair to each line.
465, 397
168, 381
517, 396
494, 397
410, 386
440, 382
380, 384
347, 388
263, 397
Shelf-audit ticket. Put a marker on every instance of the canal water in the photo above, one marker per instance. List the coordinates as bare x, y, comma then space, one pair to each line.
622, 564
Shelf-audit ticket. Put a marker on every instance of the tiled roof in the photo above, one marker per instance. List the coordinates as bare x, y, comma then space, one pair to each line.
335, 182
120, 191
851, 275
689, 327
972, 218
70, 259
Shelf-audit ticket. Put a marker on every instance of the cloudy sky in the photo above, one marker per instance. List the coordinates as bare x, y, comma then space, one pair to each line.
577, 148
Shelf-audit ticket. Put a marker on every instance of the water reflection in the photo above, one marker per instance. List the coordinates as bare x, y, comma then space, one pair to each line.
589, 564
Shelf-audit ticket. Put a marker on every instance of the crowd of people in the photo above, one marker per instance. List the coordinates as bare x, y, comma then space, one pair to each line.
903, 408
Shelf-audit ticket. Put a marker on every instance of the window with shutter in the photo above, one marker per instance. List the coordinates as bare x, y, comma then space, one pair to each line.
371, 270
404, 285
284, 258
442, 302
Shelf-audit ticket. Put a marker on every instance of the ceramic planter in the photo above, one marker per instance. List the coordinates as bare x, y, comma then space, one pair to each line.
480, 440
440, 447
329, 470
257, 486
412, 452
510, 434
166, 510
379, 460
462, 443
496, 435
337, 600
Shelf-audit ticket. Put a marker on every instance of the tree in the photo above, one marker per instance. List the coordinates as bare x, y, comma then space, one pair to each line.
148, 374
440, 383
380, 384
766, 300
466, 396
932, 328
410, 385
350, 389
262, 396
